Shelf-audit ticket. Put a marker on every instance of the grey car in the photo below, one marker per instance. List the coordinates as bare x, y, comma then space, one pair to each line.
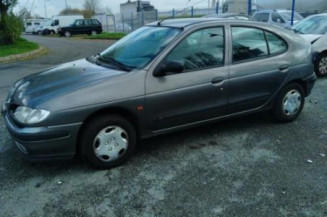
314, 30
163, 77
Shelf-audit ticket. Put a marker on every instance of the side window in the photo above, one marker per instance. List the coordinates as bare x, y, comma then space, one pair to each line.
36, 24
248, 43
79, 23
28, 24
56, 22
276, 44
262, 17
277, 18
202, 49
96, 22
88, 22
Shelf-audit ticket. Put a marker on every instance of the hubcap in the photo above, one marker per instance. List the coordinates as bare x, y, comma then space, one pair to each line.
110, 144
323, 66
292, 102
94, 32
67, 34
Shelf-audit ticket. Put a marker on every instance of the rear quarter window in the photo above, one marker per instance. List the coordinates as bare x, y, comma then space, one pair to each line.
276, 44
96, 22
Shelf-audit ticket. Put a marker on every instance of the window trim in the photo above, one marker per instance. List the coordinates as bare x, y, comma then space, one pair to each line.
266, 39
280, 38
211, 67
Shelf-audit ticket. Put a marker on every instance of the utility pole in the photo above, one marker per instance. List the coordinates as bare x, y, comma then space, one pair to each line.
45, 10
293, 9
66, 4
249, 7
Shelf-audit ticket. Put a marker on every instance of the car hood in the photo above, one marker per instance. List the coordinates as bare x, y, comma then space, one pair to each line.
310, 37
69, 85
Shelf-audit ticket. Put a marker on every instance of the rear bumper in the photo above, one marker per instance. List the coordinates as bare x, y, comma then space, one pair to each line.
309, 82
44, 143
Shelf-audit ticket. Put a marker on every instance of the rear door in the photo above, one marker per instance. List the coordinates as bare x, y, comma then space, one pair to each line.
199, 92
78, 27
258, 69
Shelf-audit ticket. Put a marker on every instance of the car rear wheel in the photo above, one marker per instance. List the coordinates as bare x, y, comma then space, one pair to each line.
108, 141
289, 103
321, 65
94, 33
67, 34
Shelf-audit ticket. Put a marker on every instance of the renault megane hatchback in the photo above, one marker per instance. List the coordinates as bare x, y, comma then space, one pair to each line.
163, 77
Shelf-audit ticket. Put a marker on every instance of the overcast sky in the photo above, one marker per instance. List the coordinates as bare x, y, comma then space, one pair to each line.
54, 6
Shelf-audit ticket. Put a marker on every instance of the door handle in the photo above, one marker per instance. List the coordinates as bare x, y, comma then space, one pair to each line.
217, 80
284, 68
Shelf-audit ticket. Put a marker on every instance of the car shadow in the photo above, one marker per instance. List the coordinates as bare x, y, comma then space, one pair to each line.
12, 161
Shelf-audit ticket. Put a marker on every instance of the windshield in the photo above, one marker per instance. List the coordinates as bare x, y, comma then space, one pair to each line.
138, 48
312, 25
287, 15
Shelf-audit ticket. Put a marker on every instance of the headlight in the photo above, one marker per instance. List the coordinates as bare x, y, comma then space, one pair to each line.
27, 115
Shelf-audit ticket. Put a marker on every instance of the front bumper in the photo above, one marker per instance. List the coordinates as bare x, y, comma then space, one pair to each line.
44, 143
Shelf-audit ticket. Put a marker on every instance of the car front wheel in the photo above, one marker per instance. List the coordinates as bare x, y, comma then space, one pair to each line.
321, 65
67, 34
289, 103
108, 141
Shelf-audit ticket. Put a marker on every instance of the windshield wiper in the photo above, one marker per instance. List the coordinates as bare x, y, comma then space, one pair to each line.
297, 31
113, 61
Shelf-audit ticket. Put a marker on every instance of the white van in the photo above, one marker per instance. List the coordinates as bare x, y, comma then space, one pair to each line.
60, 21
30, 24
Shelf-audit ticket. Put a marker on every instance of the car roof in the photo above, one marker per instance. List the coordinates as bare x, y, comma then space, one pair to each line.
181, 23
224, 15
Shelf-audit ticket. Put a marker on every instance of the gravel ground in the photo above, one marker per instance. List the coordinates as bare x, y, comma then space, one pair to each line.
249, 166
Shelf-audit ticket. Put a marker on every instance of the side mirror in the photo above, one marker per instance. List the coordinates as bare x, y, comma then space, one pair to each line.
170, 67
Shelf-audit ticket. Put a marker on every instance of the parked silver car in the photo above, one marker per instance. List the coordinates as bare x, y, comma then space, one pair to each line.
278, 17
163, 77
314, 30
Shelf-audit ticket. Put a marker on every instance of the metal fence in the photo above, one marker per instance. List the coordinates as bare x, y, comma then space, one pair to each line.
129, 22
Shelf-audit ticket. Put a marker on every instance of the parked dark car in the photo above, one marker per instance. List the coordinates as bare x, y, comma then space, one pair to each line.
163, 77
81, 26
229, 16
314, 30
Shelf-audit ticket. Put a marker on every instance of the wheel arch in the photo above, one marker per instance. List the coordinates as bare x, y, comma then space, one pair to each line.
125, 113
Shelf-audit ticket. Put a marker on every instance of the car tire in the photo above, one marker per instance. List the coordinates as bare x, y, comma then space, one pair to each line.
67, 34
289, 103
52, 32
108, 141
94, 33
321, 65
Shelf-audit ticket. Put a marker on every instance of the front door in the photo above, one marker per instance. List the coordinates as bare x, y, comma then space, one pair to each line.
199, 92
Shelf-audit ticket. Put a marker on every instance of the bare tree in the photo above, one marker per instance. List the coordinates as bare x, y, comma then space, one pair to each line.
71, 11
92, 6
